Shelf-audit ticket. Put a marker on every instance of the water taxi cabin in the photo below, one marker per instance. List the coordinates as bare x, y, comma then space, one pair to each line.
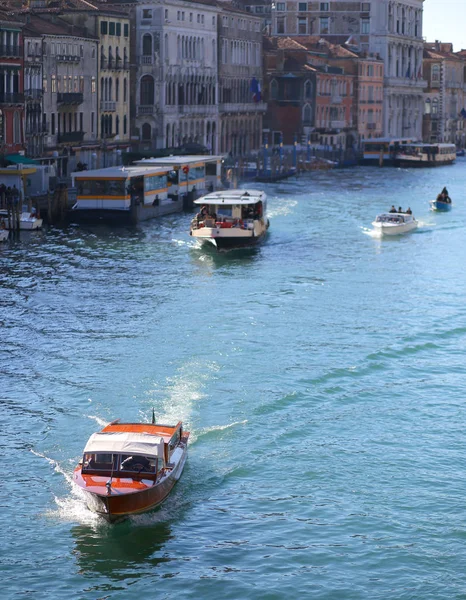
121, 188
377, 149
425, 155
202, 171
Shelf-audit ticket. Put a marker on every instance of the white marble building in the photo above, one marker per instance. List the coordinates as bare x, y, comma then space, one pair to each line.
176, 91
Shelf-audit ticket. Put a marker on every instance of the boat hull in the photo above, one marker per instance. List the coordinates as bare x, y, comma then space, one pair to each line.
226, 239
394, 229
123, 501
440, 206
422, 164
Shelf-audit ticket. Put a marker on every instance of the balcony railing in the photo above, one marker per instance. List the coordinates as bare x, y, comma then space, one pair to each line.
70, 98
240, 107
71, 136
145, 60
33, 93
114, 64
338, 124
7, 50
37, 128
71, 58
107, 106
11, 98
146, 109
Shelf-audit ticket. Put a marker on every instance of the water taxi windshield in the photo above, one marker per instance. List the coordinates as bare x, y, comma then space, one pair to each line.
390, 219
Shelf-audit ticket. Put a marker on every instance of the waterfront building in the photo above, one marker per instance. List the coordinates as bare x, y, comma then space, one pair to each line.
35, 119
388, 28
176, 83
70, 109
444, 98
111, 27
11, 85
240, 74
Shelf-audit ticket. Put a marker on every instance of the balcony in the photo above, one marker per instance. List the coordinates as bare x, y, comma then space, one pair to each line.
11, 98
70, 98
145, 60
338, 124
336, 100
247, 107
197, 109
107, 106
71, 136
37, 128
7, 50
146, 109
114, 64
33, 94
371, 126
70, 58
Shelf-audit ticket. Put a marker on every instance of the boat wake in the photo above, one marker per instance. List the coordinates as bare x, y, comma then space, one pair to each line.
284, 208
217, 428
98, 420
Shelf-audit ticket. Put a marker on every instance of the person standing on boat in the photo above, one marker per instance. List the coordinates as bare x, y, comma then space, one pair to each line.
409, 211
400, 210
393, 209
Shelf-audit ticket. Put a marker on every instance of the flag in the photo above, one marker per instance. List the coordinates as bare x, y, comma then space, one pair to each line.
256, 90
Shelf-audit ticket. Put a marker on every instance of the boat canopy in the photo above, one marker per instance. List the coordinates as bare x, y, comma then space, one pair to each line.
125, 443
238, 197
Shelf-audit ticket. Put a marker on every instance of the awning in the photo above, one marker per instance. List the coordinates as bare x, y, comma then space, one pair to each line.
125, 443
19, 159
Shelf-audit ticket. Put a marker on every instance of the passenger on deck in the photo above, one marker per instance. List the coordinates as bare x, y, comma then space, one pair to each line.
400, 210
409, 211
393, 209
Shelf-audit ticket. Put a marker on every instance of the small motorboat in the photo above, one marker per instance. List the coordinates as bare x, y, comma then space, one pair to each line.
27, 220
130, 468
440, 205
394, 223
231, 218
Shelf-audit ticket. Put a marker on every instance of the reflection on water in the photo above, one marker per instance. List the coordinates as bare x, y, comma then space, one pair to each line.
120, 551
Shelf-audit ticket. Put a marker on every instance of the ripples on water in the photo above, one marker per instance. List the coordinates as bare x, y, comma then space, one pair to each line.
321, 376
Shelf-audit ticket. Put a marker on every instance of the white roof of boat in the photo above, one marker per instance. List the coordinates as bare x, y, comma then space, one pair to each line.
179, 160
233, 197
125, 442
119, 172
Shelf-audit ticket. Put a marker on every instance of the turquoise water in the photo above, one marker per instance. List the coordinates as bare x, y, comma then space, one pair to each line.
321, 376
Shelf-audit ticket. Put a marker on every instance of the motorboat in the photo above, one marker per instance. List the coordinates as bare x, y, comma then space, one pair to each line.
28, 220
231, 218
130, 468
425, 155
394, 223
441, 205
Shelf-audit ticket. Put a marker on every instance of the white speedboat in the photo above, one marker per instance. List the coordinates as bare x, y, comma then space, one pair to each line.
394, 223
27, 220
231, 218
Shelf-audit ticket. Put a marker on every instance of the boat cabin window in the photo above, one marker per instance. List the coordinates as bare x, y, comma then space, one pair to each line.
211, 169
138, 464
99, 462
224, 211
390, 219
96, 187
172, 177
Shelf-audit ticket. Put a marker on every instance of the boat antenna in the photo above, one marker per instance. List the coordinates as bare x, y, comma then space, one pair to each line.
153, 417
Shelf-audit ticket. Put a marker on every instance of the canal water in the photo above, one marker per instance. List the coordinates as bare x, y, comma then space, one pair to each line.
322, 377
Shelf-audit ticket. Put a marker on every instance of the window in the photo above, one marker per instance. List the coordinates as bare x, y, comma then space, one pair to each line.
118, 29
435, 106
92, 122
81, 121
427, 107
44, 85
280, 24
53, 124
147, 13
54, 84
302, 6
125, 125
307, 90
111, 28
190, 17
365, 6
365, 26
259, 9
435, 73
93, 85
126, 30
147, 44
274, 89
103, 27
324, 6
281, 6
324, 25
125, 90
302, 25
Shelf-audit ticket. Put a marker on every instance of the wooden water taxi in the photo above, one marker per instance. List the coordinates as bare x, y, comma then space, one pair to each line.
130, 468
231, 219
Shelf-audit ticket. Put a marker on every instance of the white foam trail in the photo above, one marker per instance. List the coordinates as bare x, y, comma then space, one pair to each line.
56, 466
223, 427
98, 420
283, 209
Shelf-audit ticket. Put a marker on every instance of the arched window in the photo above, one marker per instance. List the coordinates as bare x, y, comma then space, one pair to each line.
147, 90
307, 114
125, 90
427, 106
147, 44
125, 125
435, 106
146, 132
16, 128
274, 89
307, 90
117, 125
435, 73
117, 89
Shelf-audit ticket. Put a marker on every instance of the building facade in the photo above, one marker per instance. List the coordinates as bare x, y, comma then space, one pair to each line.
35, 123
11, 85
176, 86
444, 97
240, 73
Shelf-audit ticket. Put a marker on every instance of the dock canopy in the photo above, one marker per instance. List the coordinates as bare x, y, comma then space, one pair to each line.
125, 443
